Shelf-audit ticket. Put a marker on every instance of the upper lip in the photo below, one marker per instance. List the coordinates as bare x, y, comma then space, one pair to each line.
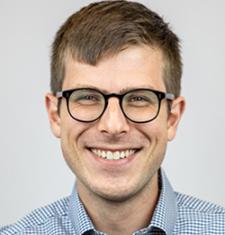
113, 149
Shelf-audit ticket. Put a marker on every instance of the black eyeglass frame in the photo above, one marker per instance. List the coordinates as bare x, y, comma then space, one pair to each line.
160, 95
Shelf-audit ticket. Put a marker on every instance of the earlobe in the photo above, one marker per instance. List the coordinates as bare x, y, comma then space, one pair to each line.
175, 115
51, 103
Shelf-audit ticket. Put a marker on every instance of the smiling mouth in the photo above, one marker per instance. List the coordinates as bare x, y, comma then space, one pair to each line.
113, 155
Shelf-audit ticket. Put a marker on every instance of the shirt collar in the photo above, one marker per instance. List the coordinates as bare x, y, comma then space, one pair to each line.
79, 218
164, 216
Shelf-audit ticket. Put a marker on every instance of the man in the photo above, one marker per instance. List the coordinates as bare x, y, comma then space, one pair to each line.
115, 103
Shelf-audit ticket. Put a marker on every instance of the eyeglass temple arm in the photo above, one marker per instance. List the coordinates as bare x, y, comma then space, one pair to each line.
59, 94
169, 96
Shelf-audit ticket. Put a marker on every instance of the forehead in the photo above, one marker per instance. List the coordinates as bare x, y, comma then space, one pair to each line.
133, 67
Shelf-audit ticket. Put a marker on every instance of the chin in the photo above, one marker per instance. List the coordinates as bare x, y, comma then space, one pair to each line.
117, 193
116, 197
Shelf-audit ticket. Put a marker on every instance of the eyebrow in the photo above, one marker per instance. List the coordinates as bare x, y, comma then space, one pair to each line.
89, 87
124, 90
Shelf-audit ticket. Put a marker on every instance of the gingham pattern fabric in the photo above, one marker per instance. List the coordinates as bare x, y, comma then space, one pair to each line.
175, 214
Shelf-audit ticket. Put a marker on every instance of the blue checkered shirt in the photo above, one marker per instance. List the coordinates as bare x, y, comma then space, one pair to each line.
175, 214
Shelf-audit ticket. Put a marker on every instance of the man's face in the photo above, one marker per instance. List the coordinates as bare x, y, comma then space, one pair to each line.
143, 144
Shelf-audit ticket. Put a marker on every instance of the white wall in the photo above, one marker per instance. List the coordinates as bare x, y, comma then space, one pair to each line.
32, 170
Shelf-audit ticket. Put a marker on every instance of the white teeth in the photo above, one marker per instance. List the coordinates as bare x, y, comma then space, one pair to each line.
103, 154
122, 155
117, 155
127, 153
109, 155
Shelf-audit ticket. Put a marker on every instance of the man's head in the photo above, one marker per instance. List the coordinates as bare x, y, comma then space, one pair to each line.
103, 29
111, 49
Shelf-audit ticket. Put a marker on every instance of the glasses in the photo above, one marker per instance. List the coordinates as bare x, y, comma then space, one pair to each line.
138, 105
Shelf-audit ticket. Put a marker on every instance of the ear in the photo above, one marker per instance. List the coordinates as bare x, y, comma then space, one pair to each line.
177, 109
51, 103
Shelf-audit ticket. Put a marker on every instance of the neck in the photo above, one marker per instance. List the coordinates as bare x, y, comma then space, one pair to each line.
124, 217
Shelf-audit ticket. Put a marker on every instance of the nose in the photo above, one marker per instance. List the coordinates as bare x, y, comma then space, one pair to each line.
113, 121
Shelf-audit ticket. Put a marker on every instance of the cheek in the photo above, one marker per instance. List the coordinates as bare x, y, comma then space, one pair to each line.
155, 130
155, 134
71, 132
71, 143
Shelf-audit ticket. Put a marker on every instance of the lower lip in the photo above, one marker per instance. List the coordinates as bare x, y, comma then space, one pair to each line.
114, 163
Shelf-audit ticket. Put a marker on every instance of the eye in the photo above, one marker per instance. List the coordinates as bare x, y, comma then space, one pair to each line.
137, 98
141, 98
86, 97
137, 101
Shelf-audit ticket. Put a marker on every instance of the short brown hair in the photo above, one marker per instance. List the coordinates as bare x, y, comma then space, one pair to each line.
105, 28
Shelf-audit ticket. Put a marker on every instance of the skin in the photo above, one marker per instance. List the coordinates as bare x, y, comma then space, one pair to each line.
114, 192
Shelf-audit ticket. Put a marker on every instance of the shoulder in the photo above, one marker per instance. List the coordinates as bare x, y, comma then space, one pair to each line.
198, 216
45, 220
197, 205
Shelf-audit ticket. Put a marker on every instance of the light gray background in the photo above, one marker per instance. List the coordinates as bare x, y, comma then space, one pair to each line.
32, 170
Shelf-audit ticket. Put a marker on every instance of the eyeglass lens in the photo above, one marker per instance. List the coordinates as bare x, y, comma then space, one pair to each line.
138, 106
